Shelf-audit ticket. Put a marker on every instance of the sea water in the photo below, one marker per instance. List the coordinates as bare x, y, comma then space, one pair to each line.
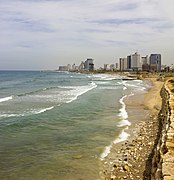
58, 125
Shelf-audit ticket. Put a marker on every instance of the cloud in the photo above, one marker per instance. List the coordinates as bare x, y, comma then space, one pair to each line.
48, 29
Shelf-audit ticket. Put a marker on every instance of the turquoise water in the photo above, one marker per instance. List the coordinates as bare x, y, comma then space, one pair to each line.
60, 125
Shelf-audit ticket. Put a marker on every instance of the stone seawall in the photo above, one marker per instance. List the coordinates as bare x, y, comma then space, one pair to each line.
160, 163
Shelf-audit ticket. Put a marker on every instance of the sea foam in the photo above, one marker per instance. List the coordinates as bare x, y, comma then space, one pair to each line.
123, 112
77, 91
27, 113
6, 98
122, 137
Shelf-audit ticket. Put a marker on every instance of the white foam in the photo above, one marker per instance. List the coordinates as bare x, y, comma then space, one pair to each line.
122, 137
105, 77
26, 113
109, 87
42, 110
6, 98
77, 91
123, 112
124, 122
106, 152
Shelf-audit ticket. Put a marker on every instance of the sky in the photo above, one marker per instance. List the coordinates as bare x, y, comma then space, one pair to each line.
43, 34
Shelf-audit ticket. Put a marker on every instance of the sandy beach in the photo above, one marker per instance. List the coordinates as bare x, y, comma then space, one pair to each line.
128, 160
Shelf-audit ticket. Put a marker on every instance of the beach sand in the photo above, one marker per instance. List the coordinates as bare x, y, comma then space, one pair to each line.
127, 160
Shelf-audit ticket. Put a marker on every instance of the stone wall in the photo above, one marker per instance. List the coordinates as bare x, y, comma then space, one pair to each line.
160, 163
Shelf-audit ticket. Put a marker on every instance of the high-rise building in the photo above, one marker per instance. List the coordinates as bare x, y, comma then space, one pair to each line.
69, 67
89, 65
123, 64
145, 63
155, 62
136, 62
129, 64
112, 67
81, 66
144, 60
73, 67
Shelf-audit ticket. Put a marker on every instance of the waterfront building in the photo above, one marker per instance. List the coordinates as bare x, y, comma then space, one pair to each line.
123, 64
145, 63
155, 62
81, 66
129, 64
112, 67
68, 67
116, 66
105, 67
136, 64
89, 65
144, 60
63, 68
73, 67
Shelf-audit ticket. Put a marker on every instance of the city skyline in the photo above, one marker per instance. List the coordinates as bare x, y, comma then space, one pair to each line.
43, 34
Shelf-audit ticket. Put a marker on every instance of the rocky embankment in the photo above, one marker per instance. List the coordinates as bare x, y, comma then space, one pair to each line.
168, 157
160, 163
150, 155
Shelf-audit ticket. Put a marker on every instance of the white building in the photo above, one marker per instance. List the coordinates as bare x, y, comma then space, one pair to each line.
145, 60
136, 62
123, 64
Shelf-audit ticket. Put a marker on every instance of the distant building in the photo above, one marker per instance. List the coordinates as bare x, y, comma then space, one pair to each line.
105, 67
89, 65
81, 66
129, 62
73, 67
136, 64
116, 66
63, 68
155, 62
145, 63
144, 60
112, 67
68, 67
123, 64
146, 67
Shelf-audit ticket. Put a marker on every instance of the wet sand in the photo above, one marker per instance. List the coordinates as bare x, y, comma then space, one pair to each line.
127, 160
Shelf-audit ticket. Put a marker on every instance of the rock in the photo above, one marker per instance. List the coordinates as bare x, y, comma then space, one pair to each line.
164, 149
126, 168
113, 177
77, 157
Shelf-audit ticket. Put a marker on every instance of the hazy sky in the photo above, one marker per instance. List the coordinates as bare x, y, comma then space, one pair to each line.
43, 34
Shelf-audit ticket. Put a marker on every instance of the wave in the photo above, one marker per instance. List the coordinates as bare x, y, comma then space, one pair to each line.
123, 113
28, 113
105, 77
6, 98
109, 87
122, 137
37, 91
138, 86
124, 122
42, 110
77, 91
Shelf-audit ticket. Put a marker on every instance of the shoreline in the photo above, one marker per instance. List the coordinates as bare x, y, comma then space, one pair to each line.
127, 160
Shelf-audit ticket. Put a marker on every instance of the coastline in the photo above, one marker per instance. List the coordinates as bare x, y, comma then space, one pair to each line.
127, 160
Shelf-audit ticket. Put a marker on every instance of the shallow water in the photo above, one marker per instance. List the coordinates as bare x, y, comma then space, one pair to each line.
60, 125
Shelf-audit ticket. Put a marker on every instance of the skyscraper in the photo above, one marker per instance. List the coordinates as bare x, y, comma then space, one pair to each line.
136, 62
155, 62
89, 65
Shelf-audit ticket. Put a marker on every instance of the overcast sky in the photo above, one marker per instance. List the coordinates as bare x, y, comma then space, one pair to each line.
43, 34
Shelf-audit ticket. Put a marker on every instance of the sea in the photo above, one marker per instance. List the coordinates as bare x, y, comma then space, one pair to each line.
61, 125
